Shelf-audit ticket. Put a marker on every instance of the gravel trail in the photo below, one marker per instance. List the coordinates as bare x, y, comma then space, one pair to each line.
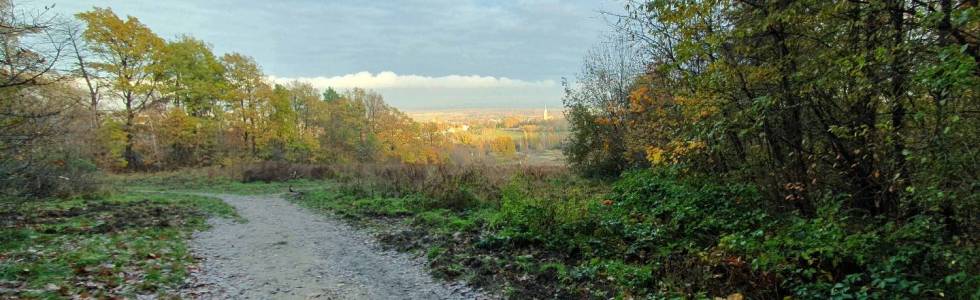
284, 251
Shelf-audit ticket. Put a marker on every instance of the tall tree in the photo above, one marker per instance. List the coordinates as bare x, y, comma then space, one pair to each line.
248, 98
346, 137
330, 94
598, 105
84, 70
128, 53
810, 99
193, 81
193, 75
281, 133
311, 112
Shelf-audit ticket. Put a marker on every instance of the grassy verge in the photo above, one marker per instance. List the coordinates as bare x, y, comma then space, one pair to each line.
113, 246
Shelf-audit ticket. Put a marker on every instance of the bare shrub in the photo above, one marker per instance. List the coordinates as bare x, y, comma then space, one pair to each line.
450, 186
271, 171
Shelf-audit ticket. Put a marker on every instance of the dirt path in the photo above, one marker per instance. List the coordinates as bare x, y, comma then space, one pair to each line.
286, 252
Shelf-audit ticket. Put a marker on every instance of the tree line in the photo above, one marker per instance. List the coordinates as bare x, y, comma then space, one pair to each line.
99, 91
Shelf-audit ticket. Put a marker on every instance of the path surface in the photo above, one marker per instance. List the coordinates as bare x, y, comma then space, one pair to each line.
284, 251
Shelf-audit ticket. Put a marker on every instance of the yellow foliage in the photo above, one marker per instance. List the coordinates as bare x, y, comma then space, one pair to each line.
673, 152
655, 155
511, 122
112, 138
179, 127
503, 145
640, 99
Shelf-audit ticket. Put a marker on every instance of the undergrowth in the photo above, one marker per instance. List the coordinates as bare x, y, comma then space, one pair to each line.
656, 233
208, 180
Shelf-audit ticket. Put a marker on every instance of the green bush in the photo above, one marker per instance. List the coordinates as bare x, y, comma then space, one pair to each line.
663, 232
837, 257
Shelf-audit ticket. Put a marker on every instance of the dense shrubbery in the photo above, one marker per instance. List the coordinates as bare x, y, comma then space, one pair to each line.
836, 256
53, 178
852, 125
652, 234
282, 171
449, 186
656, 232
767, 252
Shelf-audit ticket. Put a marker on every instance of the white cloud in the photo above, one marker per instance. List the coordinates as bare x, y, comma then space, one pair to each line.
390, 80
414, 92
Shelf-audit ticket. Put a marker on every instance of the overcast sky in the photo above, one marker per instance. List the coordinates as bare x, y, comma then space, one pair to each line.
420, 54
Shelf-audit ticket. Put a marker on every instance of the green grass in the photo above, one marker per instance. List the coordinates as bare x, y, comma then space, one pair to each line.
120, 245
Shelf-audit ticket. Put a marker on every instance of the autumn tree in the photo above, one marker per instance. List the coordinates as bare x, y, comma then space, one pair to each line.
510, 122
503, 145
809, 100
192, 80
346, 137
311, 112
193, 77
248, 98
392, 133
308, 104
128, 53
182, 133
598, 106
281, 135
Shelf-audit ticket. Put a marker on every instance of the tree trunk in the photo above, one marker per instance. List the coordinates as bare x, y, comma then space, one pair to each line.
129, 153
898, 111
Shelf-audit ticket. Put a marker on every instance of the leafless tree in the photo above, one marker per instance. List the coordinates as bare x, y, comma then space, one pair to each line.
81, 67
33, 98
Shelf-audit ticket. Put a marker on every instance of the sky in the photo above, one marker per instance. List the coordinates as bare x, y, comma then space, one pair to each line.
419, 54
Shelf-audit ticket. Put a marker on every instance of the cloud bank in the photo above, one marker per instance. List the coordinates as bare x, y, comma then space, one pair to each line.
391, 80
418, 92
